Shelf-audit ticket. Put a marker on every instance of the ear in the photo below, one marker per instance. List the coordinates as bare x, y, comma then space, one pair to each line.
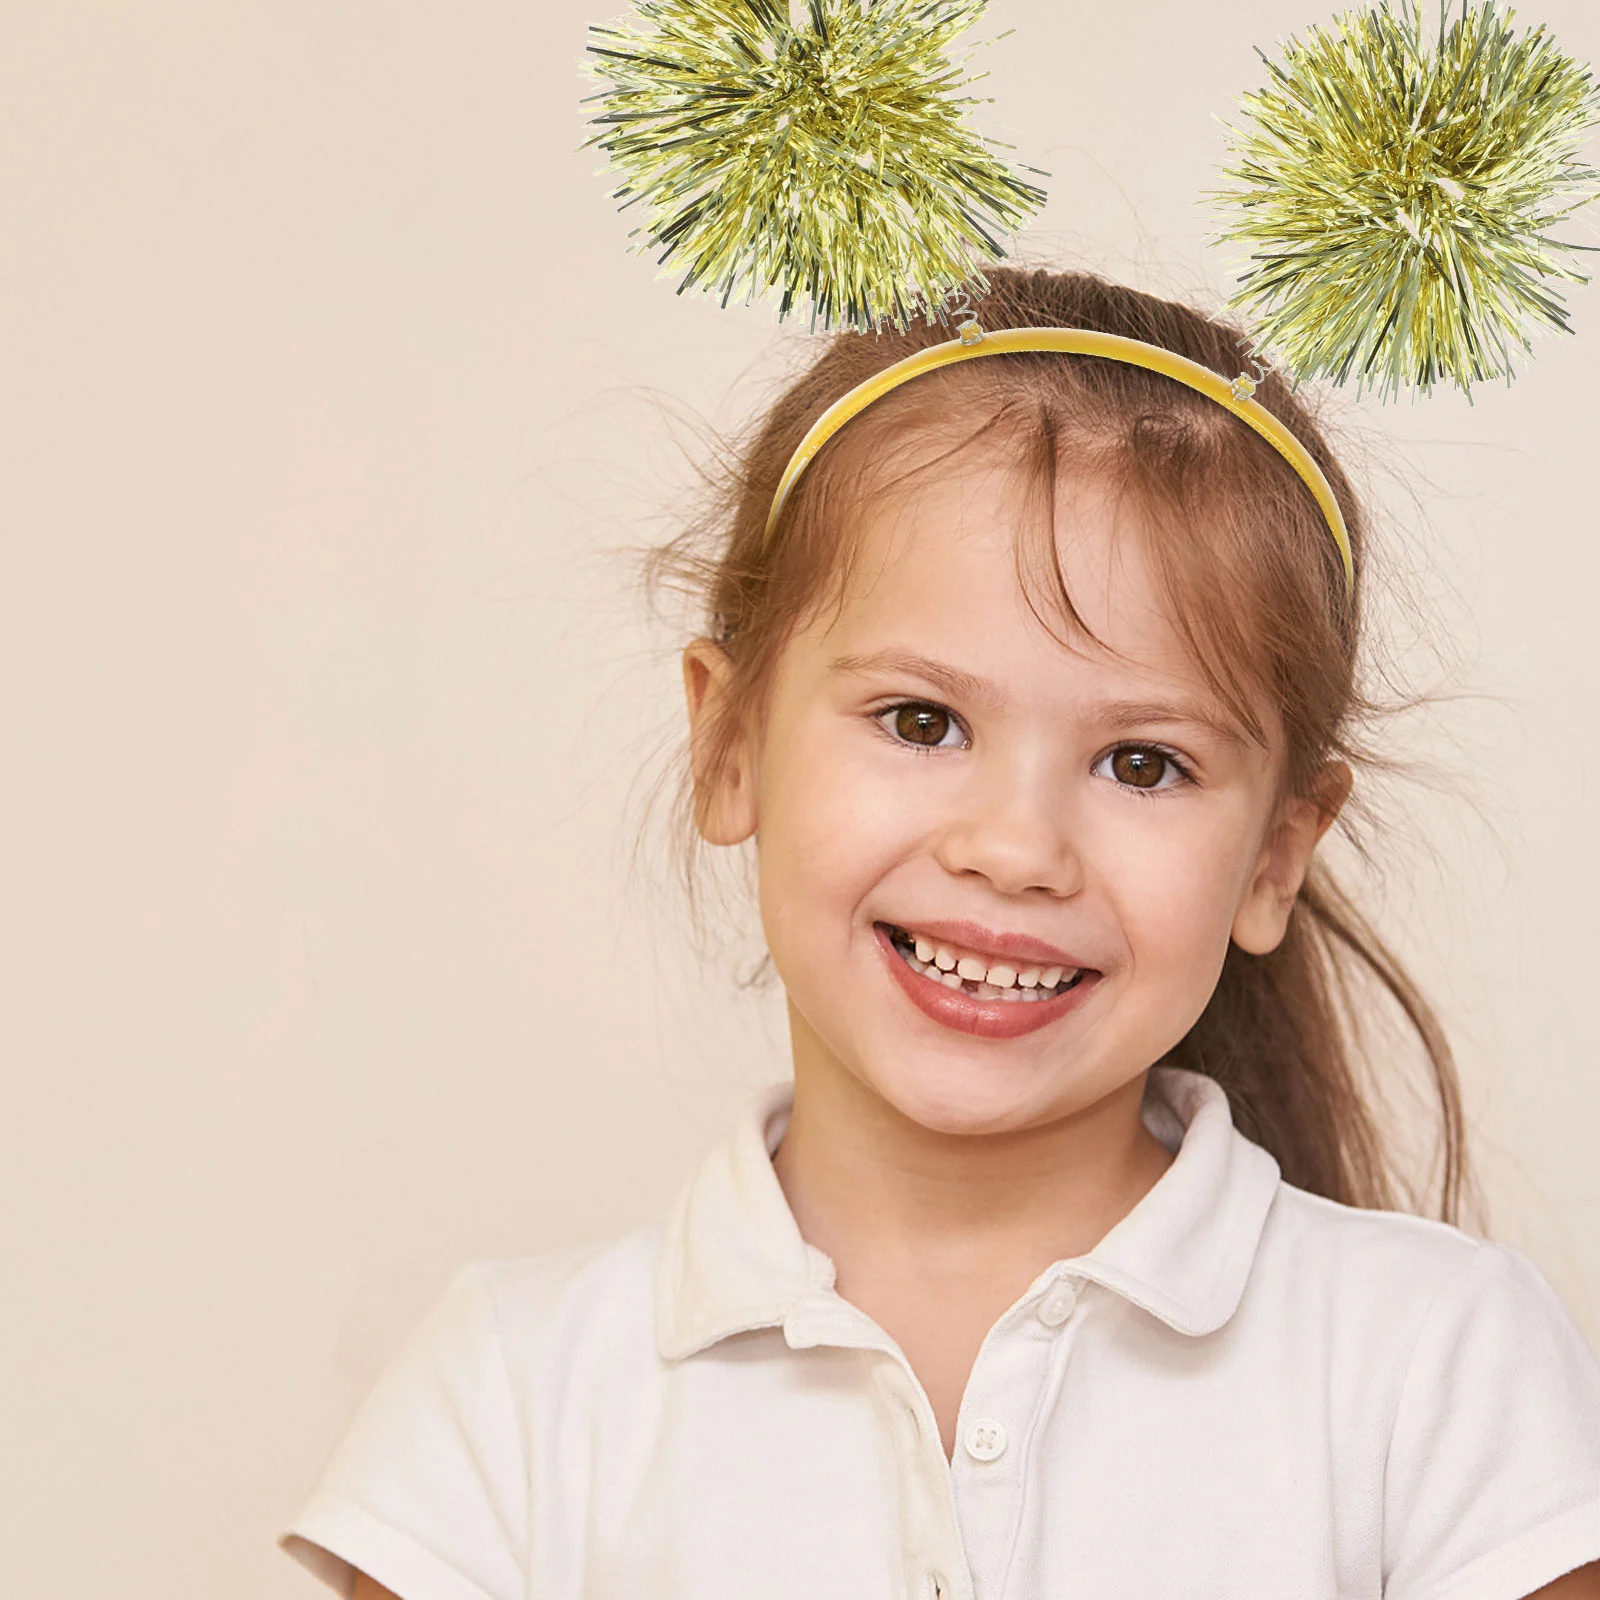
724, 795
1263, 915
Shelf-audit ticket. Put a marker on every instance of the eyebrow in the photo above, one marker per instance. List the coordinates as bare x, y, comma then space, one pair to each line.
1131, 713
968, 687
949, 680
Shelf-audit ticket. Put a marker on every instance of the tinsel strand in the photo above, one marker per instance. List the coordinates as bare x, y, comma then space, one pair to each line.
831, 162
1399, 195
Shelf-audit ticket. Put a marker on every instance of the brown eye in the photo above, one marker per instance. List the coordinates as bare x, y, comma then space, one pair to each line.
925, 725
1139, 768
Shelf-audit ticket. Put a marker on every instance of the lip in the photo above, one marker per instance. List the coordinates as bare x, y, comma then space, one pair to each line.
965, 1013
984, 941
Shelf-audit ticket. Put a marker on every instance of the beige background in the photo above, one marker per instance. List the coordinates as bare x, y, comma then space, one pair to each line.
328, 388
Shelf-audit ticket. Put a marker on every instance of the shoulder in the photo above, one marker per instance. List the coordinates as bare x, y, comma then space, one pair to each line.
1410, 1294
430, 1488
513, 1347
1380, 1253
1452, 1376
567, 1281
539, 1305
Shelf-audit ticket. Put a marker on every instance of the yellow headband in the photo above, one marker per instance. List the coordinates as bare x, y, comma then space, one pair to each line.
975, 342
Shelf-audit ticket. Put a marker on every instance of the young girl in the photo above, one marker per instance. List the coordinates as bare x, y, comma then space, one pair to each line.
1064, 1267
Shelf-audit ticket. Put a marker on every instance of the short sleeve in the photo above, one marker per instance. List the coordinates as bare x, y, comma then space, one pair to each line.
1492, 1487
427, 1491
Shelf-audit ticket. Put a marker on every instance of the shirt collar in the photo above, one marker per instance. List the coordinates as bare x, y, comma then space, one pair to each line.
733, 1260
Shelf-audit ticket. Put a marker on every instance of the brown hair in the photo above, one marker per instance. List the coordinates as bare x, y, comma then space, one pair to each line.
1255, 587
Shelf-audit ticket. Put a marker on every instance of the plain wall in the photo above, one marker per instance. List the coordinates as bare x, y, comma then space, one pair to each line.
330, 394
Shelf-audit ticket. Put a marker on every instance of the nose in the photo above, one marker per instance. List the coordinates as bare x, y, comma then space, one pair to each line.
1012, 825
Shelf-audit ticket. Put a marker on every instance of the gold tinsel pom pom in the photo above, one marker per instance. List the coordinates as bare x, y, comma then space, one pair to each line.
827, 158
1398, 194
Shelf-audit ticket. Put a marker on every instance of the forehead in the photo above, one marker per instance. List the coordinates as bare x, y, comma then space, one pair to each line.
1041, 579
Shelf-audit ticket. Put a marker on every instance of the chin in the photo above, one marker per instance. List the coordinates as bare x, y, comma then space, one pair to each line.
966, 1099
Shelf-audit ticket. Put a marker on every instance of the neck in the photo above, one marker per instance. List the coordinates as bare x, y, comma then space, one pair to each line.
880, 1193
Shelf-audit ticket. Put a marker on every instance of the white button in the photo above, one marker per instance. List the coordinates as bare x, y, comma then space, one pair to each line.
1058, 1305
985, 1441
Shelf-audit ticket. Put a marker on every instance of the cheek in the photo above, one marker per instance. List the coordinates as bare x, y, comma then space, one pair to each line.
1178, 890
830, 825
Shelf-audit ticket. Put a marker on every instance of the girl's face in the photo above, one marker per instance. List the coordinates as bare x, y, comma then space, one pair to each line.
1079, 828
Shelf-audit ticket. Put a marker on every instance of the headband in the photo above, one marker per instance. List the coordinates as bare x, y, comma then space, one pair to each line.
974, 343
1396, 192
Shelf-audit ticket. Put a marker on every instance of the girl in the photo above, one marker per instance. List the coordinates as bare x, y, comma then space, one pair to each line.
1065, 1266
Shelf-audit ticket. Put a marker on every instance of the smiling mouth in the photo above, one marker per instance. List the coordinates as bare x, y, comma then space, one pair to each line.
972, 975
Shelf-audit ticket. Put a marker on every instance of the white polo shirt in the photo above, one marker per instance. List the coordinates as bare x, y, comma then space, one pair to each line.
1243, 1393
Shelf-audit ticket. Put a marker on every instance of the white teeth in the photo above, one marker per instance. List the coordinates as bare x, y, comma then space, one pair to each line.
1002, 981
